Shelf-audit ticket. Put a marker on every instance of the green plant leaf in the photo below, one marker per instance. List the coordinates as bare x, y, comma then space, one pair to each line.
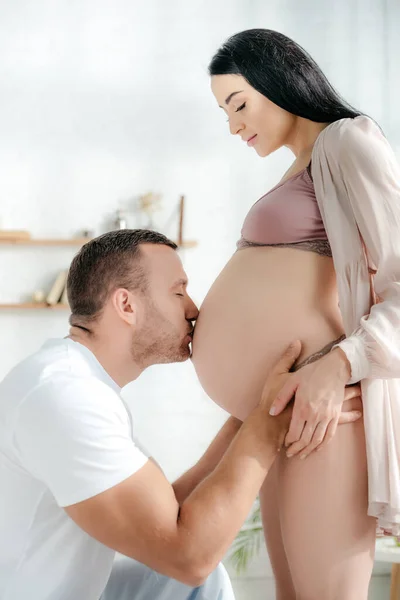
247, 543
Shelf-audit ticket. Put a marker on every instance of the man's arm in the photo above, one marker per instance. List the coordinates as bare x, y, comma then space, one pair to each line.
141, 517
207, 463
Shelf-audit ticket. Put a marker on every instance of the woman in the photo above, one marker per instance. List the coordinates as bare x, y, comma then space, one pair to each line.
304, 246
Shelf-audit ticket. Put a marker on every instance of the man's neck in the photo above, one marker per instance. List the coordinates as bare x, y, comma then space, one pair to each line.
111, 355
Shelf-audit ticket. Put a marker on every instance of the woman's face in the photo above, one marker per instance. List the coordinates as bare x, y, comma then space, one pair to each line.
260, 123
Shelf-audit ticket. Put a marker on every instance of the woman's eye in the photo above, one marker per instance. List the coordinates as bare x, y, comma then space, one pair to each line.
181, 295
241, 107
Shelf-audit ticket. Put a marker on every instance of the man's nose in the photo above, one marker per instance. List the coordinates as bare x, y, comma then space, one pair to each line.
192, 311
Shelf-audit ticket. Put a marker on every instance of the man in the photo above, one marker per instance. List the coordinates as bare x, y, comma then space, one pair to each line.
76, 486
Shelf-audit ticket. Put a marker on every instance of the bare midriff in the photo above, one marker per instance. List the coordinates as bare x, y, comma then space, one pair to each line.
262, 300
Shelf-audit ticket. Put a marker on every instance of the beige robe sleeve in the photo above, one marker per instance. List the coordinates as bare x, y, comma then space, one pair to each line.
371, 176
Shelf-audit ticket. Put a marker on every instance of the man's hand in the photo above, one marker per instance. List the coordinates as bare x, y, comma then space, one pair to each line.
279, 374
277, 427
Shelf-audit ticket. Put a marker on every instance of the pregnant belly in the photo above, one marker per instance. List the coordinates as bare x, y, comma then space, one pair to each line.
263, 299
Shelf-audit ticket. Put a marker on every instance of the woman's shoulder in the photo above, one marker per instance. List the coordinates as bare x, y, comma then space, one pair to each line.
352, 139
351, 133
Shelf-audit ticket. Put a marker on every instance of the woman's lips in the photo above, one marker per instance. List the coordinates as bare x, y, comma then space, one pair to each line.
251, 141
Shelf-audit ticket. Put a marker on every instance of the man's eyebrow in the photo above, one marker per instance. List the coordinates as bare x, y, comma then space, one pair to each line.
180, 282
229, 98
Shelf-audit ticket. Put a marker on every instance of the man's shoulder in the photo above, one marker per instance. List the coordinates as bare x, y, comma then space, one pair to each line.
72, 396
53, 358
57, 374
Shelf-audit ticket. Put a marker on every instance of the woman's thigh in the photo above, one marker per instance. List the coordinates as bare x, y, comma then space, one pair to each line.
328, 537
269, 503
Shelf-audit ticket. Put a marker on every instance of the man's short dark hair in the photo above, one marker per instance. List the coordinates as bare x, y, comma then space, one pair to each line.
108, 262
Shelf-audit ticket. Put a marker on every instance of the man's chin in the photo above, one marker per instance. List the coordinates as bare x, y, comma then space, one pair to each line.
186, 354
181, 356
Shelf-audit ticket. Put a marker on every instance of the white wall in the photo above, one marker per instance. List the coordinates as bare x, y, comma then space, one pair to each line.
103, 100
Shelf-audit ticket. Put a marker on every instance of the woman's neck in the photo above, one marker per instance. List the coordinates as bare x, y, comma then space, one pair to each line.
302, 138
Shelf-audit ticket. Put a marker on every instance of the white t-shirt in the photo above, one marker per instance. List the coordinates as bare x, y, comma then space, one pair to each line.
65, 436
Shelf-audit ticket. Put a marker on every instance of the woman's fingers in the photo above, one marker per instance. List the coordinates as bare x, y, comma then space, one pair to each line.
330, 432
313, 439
317, 439
296, 428
303, 442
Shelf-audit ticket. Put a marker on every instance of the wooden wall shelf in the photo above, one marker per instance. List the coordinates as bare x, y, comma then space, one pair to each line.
187, 244
44, 242
54, 242
33, 306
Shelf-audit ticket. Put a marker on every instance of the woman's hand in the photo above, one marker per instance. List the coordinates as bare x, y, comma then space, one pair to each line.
319, 390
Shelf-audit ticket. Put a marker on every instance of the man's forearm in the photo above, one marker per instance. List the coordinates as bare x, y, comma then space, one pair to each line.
212, 515
207, 463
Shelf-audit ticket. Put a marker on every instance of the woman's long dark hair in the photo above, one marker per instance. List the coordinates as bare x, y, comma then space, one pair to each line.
284, 72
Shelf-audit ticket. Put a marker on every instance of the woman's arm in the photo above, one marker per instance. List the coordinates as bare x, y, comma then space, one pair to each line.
360, 165
371, 176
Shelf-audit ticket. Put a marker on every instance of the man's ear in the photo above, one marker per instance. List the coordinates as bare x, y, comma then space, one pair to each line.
125, 303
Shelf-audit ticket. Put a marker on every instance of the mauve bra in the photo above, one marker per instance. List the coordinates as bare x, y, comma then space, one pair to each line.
287, 216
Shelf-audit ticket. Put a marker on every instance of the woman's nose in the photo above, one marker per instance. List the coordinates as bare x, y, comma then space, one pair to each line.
235, 126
